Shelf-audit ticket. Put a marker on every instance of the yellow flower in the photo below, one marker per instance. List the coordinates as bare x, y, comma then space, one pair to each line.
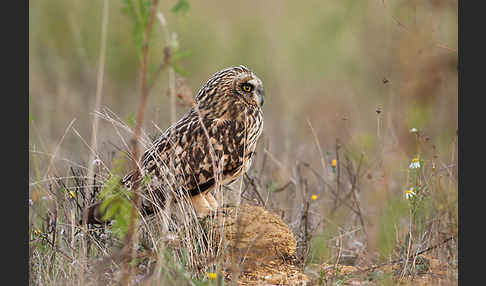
314, 197
37, 232
212, 275
72, 194
334, 163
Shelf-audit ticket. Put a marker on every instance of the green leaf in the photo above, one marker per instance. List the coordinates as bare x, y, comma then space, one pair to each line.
131, 121
144, 6
116, 205
139, 18
181, 7
111, 212
147, 178
178, 69
178, 55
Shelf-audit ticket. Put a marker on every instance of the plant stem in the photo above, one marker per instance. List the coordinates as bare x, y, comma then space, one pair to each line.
94, 131
132, 237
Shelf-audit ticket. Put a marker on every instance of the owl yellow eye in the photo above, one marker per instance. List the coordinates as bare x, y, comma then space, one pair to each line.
247, 87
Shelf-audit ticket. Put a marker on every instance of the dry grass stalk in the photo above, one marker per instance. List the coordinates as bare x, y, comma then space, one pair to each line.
94, 131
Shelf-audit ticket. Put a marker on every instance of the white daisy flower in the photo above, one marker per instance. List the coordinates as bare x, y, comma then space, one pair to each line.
413, 130
415, 164
409, 194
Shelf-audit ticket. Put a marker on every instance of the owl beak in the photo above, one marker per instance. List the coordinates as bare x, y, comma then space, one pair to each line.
261, 95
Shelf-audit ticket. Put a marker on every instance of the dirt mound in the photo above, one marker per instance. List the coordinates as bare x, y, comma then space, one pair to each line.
260, 247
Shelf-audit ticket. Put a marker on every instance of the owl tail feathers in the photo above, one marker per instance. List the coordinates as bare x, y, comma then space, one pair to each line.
95, 216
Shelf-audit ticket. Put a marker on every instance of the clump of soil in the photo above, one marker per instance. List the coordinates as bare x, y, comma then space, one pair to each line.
260, 248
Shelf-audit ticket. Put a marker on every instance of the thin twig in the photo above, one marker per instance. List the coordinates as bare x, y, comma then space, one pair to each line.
401, 259
54, 154
167, 63
255, 189
436, 43
338, 177
338, 257
132, 237
354, 182
316, 141
331, 189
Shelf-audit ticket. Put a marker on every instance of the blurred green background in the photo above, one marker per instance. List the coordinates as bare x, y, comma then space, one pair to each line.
325, 64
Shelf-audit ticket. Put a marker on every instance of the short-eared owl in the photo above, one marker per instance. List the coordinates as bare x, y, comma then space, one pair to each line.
220, 131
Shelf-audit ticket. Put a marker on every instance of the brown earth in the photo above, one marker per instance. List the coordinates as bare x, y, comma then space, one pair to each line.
260, 244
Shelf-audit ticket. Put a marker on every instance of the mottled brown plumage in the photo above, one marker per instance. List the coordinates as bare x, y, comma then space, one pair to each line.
189, 159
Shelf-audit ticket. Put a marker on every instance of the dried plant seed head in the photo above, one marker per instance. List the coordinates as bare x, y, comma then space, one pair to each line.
378, 109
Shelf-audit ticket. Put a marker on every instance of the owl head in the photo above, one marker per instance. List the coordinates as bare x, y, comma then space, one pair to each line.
238, 83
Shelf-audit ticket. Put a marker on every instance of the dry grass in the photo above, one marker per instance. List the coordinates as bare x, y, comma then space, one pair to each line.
344, 81
330, 228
